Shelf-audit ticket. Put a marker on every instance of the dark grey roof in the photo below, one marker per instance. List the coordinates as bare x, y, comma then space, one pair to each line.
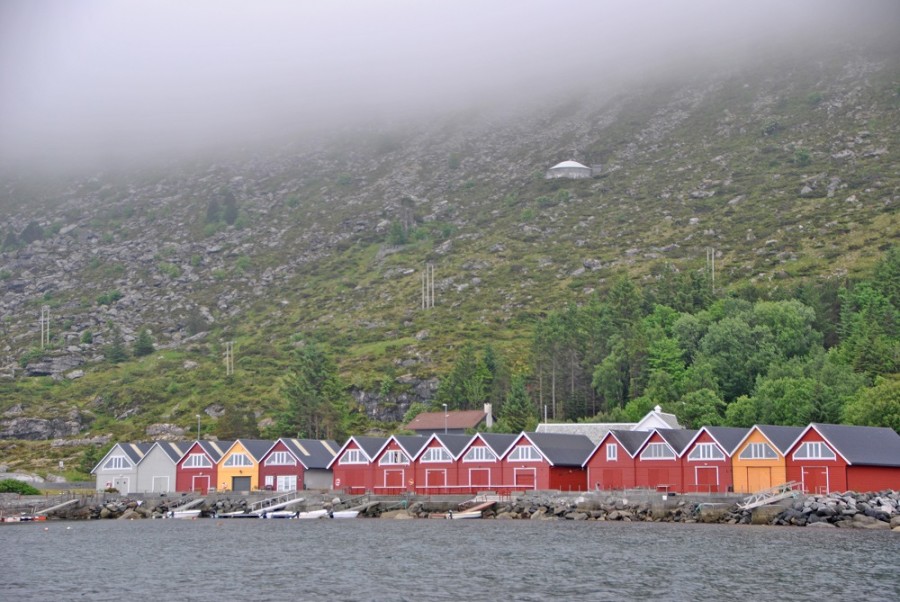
562, 450
312, 453
782, 436
728, 437
257, 447
216, 449
174, 449
632, 441
455, 444
370, 445
135, 451
678, 439
411, 444
498, 442
866, 445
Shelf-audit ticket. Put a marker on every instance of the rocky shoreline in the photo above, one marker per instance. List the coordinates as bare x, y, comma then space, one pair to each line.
879, 510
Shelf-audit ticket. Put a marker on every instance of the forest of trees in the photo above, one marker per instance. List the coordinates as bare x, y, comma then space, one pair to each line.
823, 353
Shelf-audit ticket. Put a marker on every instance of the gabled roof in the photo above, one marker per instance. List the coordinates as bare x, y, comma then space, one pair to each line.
861, 445
728, 437
559, 449
312, 453
656, 418
135, 452
678, 439
454, 444
215, 449
257, 448
370, 446
457, 419
631, 442
175, 450
782, 437
595, 431
410, 444
497, 442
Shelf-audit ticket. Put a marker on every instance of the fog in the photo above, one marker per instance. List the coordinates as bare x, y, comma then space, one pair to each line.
98, 81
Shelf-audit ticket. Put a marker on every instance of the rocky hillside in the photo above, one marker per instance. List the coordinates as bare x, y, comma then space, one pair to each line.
787, 170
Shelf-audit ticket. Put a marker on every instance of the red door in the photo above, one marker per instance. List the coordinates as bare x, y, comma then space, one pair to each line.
480, 478
707, 479
815, 479
200, 483
612, 479
393, 479
435, 480
525, 479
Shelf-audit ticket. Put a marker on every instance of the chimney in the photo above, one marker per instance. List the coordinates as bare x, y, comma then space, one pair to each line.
488, 418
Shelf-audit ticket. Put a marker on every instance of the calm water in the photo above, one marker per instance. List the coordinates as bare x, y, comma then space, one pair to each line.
419, 560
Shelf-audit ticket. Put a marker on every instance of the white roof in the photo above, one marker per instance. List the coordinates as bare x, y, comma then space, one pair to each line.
569, 164
595, 431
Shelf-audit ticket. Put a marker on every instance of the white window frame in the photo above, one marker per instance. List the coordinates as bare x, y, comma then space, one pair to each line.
197, 461
281, 458
118, 462
436, 455
353, 456
480, 453
394, 457
612, 452
706, 451
758, 451
286, 482
525, 453
814, 450
660, 451
238, 460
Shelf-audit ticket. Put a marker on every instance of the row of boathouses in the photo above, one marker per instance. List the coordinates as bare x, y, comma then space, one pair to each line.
821, 458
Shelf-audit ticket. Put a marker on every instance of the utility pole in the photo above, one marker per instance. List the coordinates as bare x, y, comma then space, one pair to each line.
229, 358
445, 417
428, 286
45, 326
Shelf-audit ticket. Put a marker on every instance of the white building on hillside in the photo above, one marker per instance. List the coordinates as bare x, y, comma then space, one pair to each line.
596, 430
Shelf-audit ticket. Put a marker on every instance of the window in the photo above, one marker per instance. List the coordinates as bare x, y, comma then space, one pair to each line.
706, 451
612, 452
117, 463
657, 451
758, 451
281, 458
814, 450
525, 453
436, 454
394, 456
480, 453
235, 460
353, 456
197, 461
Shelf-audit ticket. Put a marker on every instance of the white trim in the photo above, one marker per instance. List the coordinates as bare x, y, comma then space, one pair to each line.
393, 454
362, 459
486, 448
612, 452
442, 471
165, 488
402, 472
658, 445
820, 445
803, 470
194, 479
118, 480
697, 470
707, 445
532, 449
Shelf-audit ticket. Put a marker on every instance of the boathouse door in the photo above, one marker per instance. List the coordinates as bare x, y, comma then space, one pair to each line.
160, 484
707, 479
815, 479
613, 478
479, 478
121, 483
435, 479
758, 478
240, 483
200, 483
525, 479
393, 479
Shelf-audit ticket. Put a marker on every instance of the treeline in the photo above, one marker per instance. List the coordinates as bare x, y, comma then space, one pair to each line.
812, 354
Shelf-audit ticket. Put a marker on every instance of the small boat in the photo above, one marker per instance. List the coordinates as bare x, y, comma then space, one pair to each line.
23, 518
183, 514
280, 514
463, 515
313, 514
345, 514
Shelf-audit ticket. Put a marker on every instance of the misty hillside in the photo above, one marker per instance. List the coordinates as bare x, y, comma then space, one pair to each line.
787, 169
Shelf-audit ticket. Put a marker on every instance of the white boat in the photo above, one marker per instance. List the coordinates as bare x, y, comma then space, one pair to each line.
463, 515
345, 514
183, 514
313, 514
280, 514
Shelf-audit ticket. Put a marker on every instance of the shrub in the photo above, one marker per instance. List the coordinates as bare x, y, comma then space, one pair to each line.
16, 486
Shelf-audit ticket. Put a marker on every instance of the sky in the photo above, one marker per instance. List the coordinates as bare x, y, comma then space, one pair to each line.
99, 80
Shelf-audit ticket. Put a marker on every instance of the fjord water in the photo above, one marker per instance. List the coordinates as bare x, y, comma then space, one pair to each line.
418, 560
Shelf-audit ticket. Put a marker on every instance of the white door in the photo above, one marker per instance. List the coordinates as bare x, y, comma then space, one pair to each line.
160, 484
121, 483
287, 482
